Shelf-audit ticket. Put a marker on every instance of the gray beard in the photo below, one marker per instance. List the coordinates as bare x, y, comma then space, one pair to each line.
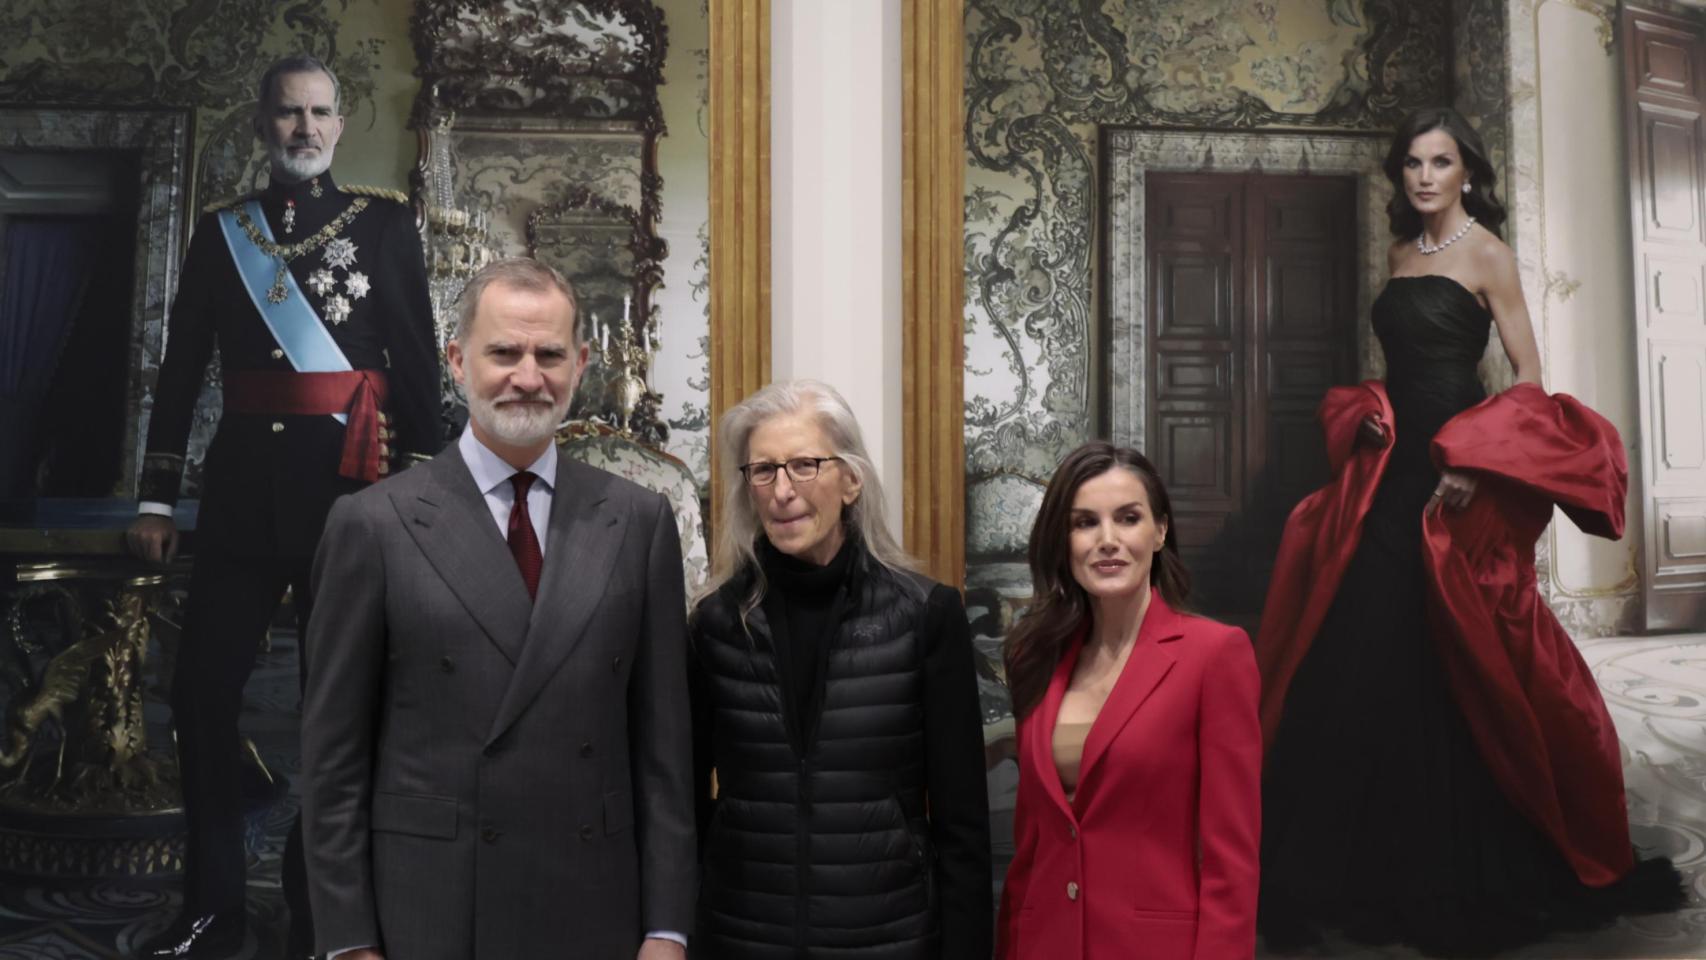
517, 427
298, 171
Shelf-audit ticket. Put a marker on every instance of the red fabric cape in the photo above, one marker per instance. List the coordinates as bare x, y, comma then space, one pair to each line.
1532, 705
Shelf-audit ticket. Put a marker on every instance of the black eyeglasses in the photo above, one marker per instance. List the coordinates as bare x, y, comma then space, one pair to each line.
761, 473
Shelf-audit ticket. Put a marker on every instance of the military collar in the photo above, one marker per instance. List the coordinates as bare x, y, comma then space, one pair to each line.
314, 191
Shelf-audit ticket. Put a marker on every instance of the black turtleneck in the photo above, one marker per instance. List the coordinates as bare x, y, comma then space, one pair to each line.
800, 605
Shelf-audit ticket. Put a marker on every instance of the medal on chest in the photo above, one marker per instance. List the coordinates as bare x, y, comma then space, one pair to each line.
339, 252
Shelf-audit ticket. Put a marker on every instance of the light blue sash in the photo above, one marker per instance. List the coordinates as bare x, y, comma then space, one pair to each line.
307, 344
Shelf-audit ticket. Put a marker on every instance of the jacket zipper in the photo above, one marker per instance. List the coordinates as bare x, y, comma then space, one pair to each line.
802, 867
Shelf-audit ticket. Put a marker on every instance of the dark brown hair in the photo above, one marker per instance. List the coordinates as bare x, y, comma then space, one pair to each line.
1404, 220
1059, 606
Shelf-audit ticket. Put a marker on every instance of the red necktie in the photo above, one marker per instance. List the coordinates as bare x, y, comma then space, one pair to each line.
523, 542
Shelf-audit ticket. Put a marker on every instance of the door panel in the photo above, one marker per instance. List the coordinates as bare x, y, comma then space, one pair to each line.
1667, 164
1251, 320
1306, 310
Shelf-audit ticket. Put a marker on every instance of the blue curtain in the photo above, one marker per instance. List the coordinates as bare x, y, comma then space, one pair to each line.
47, 262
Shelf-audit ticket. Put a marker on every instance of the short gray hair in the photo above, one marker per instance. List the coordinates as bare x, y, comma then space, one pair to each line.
521, 273
295, 63
738, 527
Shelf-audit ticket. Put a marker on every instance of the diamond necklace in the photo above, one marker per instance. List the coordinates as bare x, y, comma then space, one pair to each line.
1428, 251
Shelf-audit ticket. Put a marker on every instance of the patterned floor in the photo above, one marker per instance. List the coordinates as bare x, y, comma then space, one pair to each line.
1655, 687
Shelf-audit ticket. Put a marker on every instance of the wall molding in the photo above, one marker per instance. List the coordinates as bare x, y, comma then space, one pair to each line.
933, 285
740, 211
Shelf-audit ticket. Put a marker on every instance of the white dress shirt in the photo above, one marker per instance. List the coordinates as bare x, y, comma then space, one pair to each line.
492, 475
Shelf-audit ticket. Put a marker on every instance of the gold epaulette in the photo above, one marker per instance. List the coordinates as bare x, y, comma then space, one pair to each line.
384, 193
226, 204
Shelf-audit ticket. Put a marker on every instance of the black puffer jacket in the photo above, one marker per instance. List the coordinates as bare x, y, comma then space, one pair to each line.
818, 845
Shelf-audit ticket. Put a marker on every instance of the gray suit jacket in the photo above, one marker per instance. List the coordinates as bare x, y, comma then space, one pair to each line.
484, 777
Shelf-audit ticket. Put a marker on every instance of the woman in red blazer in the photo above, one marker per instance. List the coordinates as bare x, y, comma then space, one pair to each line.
1140, 751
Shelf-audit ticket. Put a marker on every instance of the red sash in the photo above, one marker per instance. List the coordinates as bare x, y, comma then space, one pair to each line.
356, 393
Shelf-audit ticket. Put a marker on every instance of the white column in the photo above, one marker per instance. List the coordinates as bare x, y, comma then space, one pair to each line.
1582, 285
835, 168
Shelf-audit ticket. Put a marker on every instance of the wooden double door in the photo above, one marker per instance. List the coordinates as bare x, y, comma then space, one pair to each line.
1252, 316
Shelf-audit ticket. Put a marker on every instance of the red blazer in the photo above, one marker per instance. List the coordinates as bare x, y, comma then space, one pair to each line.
1156, 857
1531, 703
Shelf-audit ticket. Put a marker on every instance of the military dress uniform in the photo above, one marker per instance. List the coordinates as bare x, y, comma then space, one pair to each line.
279, 458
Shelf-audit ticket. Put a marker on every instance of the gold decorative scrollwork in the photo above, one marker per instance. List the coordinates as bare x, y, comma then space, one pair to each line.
73, 736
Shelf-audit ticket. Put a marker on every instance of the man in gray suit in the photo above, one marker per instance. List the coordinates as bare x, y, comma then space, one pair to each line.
495, 746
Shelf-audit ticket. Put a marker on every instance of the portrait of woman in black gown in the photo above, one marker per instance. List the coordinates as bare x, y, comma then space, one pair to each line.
1381, 817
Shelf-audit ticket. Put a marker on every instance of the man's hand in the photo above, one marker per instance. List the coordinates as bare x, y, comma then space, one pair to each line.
657, 948
1373, 432
153, 538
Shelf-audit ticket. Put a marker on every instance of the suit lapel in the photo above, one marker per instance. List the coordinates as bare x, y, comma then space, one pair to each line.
585, 535
1143, 671
1042, 745
453, 527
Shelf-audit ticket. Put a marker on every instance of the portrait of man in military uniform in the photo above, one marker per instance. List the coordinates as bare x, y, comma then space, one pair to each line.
315, 295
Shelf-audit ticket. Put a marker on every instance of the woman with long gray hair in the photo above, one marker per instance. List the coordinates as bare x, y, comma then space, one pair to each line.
835, 699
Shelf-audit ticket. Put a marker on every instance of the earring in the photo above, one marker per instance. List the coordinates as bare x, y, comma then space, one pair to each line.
1465, 187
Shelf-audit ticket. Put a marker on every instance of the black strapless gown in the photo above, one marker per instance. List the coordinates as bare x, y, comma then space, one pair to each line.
1379, 817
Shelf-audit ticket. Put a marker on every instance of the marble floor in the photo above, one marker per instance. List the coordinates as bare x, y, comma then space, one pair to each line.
1655, 687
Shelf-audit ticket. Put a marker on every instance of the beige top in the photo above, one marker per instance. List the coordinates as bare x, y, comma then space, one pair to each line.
1068, 751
